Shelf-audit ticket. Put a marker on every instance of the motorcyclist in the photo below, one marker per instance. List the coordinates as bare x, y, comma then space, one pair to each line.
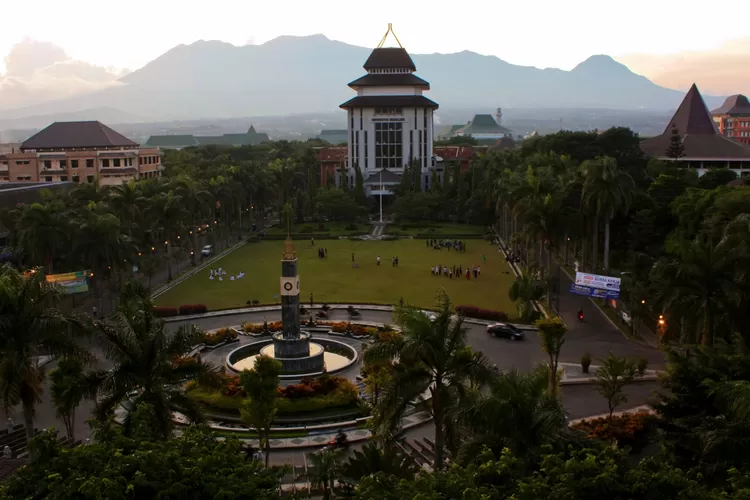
341, 438
580, 315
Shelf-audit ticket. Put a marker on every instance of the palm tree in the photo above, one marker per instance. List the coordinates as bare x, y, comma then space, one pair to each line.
42, 233
128, 202
324, 470
197, 200
701, 284
169, 212
149, 363
31, 325
430, 357
517, 413
67, 391
607, 190
372, 459
525, 290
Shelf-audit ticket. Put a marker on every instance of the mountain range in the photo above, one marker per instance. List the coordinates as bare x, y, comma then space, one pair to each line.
294, 75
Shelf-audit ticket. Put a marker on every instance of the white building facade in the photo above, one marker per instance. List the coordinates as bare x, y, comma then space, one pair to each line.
389, 122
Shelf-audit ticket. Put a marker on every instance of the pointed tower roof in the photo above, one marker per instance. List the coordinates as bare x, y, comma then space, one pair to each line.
390, 57
700, 137
737, 103
692, 117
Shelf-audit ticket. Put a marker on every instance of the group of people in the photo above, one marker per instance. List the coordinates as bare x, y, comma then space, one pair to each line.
322, 253
220, 273
394, 261
456, 272
457, 245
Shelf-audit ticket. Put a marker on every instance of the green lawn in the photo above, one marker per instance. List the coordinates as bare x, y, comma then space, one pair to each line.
331, 228
412, 229
335, 280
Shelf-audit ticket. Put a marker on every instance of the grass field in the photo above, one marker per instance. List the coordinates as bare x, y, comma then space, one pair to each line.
335, 280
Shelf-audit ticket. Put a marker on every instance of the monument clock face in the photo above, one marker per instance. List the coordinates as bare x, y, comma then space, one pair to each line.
289, 286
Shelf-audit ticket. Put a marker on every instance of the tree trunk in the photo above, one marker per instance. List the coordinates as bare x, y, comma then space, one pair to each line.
28, 421
267, 446
606, 245
437, 411
552, 378
595, 249
169, 261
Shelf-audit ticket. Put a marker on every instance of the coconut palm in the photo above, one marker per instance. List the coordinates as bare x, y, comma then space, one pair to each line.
607, 191
524, 291
169, 213
198, 201
42, 232
31, 325
699, 285
431, 357
149, 363
323, 470
68, 389
517, 413
129, 203
372, 459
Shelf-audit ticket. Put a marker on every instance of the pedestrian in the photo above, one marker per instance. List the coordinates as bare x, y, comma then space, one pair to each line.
93, 312
432, 270
484, 259
479, 271
312, 241
378, 260
468, 274
450, 273
311, 299
401, 302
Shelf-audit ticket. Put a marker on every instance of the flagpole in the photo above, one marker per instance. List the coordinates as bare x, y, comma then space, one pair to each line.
381, 196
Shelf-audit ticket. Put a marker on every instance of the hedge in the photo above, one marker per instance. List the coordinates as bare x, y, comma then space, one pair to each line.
216, 400
479, 313
193, 309
165, 312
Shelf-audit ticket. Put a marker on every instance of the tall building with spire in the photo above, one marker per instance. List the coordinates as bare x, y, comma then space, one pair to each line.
704, 147
390, 122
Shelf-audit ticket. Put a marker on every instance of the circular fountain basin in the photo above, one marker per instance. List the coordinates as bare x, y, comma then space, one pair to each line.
339, 357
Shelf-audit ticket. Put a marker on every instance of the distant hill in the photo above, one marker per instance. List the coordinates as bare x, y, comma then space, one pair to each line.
104, 115
292, 75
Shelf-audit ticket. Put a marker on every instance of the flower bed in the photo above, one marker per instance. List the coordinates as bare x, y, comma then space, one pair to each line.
258, 328
310, 395
479, 313
219, 336
629, 429
192, 309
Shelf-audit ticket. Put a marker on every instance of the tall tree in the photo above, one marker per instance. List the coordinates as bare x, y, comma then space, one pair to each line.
607, 190
611, 378
31, 325
67, 391
149, 362
676, 148
430, 356
552, 334
261, 384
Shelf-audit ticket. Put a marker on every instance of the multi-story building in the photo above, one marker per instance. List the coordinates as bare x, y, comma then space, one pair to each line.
389, 122
733, 118
704, 147
80, 152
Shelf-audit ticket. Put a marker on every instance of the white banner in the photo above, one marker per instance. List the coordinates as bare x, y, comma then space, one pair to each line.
598, 281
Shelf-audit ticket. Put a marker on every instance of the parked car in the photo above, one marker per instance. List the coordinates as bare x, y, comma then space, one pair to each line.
207, 250
505, 330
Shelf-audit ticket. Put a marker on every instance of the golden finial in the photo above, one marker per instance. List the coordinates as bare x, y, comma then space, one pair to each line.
289, 252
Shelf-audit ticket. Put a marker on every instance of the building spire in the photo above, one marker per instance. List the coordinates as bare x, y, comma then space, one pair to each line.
390, 30
289, 252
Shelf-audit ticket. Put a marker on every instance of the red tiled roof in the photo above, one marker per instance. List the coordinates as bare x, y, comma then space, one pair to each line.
734, 104
74, 135
700, 137
332, 154
454, 152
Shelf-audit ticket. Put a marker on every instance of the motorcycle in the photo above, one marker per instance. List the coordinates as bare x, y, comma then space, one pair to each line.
340, 441
580, 316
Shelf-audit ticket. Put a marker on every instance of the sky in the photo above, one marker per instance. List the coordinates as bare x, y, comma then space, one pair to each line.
89, 43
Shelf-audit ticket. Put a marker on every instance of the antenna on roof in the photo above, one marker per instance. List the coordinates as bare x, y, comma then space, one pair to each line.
390, 30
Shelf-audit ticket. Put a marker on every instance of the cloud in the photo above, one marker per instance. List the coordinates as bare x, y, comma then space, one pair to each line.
720, 71
42, 71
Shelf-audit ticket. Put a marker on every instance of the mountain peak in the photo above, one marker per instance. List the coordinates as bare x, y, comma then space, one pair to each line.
599, 63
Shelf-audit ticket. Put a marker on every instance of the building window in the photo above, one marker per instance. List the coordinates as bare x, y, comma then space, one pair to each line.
76, 178
360, 120
415, 119
47, 164
73, 163
411, 144
366, 155
115, 162
388, 145
89, 163
90, 179
351, 119
48, 178
63, 178
105, 163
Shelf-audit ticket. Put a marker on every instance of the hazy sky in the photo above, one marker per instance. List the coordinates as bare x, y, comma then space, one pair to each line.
543, 33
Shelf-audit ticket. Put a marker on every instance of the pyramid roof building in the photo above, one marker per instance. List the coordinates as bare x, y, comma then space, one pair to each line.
700, 136
735, 104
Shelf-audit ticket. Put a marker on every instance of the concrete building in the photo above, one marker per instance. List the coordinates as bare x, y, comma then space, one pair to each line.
79, 152
249, 138
389, 122
733, 118
704, 147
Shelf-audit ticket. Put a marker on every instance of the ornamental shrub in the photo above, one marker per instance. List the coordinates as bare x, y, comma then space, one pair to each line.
165, 312
192, 309
479, 313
